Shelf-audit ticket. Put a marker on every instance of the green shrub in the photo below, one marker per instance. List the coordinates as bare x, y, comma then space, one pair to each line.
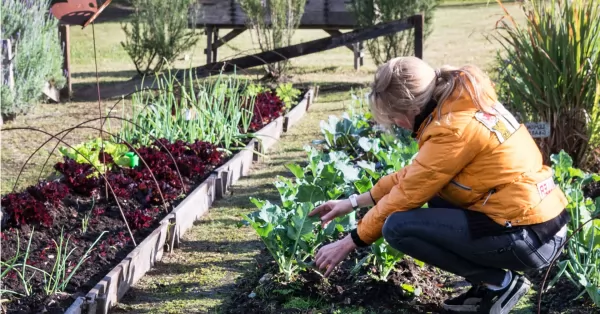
37, 53
549, 71
285, 16
372, 12
159, 33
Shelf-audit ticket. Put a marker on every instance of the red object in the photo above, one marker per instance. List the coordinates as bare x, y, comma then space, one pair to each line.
77, 12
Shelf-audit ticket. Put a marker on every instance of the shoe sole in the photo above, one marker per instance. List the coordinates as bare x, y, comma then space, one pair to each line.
524, 287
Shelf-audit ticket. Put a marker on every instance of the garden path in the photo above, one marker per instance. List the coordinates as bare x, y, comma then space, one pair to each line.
199, 276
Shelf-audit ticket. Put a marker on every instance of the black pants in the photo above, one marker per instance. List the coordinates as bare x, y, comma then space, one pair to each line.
440, 237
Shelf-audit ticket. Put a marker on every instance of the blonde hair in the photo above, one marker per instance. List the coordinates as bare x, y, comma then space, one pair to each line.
405, 85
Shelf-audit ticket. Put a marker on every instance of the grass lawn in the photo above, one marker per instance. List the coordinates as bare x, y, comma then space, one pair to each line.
199, 276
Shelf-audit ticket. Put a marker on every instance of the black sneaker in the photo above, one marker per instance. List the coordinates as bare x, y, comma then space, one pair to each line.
502, 301
466, 302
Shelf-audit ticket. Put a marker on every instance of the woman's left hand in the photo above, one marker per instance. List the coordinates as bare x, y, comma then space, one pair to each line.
329, 256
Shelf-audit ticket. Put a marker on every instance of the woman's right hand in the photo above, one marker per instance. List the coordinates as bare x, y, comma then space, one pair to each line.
331, 210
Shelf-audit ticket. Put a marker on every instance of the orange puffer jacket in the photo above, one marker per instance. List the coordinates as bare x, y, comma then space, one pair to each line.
481, 162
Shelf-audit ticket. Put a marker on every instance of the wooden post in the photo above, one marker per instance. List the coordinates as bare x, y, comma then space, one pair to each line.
356, 56
215, 47
209, 47
65, 41
361, 49
418, 22
359, 54
8, 77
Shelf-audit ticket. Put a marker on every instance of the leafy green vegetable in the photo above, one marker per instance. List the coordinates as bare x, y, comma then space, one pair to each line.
384, 258
287, 93
582, 265
289, 233
89, 152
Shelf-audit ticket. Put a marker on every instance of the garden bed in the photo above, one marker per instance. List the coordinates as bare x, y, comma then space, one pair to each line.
343, 291
265, 291
153, 226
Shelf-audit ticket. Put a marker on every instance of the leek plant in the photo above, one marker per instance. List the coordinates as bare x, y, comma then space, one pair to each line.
549, 71
57, 279
63, 270
20, 269
217, 111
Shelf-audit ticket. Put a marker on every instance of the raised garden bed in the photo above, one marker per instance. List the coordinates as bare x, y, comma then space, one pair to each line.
158, 230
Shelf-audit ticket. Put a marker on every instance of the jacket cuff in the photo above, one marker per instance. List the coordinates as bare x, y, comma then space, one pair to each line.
356, 239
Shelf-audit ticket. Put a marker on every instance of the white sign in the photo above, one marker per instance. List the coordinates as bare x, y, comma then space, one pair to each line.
538, 129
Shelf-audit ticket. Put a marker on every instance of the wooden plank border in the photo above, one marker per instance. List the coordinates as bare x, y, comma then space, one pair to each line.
296, 114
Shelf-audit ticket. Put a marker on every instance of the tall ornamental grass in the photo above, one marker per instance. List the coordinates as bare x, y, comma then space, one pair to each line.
549, 71
218, 111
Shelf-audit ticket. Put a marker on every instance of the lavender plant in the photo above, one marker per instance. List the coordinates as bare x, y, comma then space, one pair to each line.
37, 51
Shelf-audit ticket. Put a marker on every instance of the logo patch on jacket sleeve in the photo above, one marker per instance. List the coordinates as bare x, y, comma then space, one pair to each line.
499, 124
545, 187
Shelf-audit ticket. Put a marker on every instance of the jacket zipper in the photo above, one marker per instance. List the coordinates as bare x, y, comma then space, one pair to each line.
492, 191
464, 187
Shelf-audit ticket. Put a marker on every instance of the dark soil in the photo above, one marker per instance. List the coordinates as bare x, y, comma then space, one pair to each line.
560, 298
114, 245
342, 289
592, 190
342, 292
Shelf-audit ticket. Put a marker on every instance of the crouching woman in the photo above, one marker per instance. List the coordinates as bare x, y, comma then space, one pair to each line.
493, 208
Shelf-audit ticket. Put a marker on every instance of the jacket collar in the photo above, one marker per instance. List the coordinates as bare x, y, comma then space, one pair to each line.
422, 116
458, 100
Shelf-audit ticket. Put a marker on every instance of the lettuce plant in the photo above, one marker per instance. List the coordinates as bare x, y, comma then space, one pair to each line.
100, 154
287, 93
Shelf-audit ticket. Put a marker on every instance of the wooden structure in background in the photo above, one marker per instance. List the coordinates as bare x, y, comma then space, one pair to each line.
65, 42
249, 61
315, 46
328, 15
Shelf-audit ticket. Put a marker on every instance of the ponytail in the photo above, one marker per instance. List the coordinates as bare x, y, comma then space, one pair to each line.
405, 85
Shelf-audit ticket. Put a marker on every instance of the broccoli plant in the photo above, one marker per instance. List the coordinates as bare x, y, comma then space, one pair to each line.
382, 258
288, 233
355, 155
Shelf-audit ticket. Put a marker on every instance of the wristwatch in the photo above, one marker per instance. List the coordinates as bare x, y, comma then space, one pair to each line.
353, 201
